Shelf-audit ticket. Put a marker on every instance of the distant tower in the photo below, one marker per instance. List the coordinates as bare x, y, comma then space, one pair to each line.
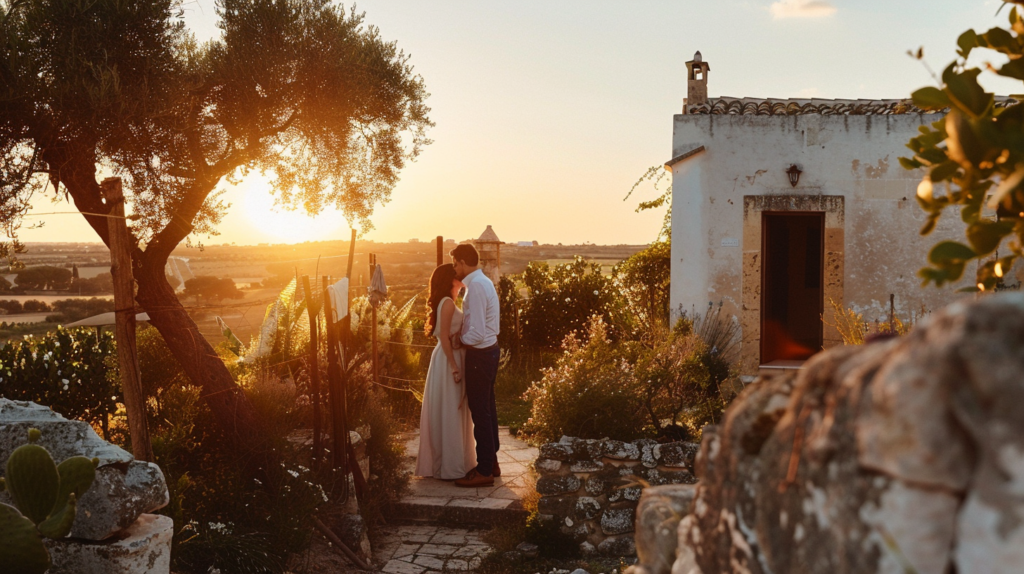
489, 247
697, 83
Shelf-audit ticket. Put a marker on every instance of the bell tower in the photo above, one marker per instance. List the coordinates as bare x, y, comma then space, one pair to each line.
697, 82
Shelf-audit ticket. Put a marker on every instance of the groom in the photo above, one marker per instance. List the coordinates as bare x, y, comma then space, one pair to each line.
480, 338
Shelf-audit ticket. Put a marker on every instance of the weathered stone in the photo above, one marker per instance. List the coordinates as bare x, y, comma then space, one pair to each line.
143, 548
556, 451
529, 549
579, 571
647, 455
595, 486
558, 484
578, 532
587, 549
657, 477
899, 455
621, 450
625, 493
618, 521
351, 528
586, 466
547, 465
676, 454
618, 546
586, 508
123, 489
658, 515
556, 505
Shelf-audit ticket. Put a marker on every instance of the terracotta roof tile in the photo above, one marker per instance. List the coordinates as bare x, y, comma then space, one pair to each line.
780, 107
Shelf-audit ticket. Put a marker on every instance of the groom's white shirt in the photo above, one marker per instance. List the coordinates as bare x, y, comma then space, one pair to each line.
481, 322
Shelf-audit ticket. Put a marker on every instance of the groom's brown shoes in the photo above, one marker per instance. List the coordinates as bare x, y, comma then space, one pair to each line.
496, 470
474, 479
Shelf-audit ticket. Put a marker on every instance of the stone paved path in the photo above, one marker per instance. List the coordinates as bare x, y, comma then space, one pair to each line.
423, 549
516, 481
442, 531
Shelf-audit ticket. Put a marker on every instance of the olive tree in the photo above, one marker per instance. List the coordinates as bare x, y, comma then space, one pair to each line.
301, 90
974, 157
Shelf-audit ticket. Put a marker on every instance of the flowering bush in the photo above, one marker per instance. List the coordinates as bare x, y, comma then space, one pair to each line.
562, 299
591, 392
643, 282
67, 370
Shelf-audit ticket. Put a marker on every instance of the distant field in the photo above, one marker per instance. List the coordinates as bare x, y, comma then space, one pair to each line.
49, 298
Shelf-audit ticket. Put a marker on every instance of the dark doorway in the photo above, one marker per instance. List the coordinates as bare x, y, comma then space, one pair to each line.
792, 247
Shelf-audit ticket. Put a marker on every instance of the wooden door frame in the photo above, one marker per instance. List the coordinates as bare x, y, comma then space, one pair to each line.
765, 215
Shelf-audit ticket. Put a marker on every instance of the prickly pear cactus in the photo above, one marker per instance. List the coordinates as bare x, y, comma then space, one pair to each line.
46, 498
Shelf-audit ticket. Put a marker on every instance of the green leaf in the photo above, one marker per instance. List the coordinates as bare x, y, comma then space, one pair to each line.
1000, 40
943, 171
966, 93
967, 42
930, 98
1013, 69
985, 236
950, 252
910, 163
962, 145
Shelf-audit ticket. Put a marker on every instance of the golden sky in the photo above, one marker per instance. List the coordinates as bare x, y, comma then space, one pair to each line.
548, 111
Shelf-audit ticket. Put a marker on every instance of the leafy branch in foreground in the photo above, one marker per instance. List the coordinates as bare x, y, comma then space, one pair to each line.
977, 151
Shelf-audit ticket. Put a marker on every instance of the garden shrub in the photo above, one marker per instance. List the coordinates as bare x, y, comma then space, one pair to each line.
66, 370
562, 299
643, 282
591, 392
35, 306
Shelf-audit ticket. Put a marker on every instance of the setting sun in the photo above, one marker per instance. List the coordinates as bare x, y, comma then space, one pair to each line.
277, 223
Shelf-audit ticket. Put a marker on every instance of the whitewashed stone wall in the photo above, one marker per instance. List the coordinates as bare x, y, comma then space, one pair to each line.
592, 487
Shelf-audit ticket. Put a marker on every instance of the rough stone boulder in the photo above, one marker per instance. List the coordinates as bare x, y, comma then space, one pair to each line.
905, 455
124, 488
657, 519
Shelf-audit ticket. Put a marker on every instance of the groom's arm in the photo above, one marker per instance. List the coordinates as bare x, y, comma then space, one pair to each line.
474, 328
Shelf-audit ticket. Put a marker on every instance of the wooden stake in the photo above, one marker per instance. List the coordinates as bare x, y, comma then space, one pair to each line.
124, 317
373, 321
440, 251
339, 426
314, 370
333, 538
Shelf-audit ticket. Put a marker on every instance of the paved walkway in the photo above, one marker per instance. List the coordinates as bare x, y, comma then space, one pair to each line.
445, 523
516, 481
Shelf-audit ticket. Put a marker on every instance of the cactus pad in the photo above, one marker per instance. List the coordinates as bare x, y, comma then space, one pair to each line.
21, 546
33, 480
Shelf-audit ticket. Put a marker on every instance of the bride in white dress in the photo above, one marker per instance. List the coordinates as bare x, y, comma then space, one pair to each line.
447, 448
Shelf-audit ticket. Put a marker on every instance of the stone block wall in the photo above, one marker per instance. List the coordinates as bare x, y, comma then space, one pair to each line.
592, 487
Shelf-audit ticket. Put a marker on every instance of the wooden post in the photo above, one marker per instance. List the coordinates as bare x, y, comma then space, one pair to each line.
314, 370
339, 424
124, 317
346, 339
373, 321
440, 251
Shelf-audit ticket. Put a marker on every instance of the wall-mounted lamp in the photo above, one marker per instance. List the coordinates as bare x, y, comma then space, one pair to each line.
794, 174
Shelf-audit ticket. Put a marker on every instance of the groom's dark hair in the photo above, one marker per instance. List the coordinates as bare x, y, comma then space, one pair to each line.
467, 254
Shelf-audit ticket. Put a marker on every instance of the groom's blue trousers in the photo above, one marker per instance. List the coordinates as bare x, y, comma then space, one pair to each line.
481, 372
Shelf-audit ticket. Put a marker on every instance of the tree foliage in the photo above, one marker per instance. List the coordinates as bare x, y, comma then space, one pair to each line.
207, 288
43, 278
644, 280
301, 90
975, 152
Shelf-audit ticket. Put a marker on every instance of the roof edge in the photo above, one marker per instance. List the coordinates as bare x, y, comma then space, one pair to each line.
683, 157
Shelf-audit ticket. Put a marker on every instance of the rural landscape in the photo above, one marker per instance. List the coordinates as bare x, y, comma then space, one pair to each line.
646, 327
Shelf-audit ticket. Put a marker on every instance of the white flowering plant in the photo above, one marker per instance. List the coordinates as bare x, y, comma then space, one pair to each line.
67, 370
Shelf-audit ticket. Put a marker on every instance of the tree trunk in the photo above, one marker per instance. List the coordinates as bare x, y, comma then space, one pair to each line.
199, 360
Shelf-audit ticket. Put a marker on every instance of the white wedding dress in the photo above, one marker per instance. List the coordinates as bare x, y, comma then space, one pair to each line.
447, 448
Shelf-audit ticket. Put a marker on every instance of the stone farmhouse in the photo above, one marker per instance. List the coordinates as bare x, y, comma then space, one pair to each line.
783, 206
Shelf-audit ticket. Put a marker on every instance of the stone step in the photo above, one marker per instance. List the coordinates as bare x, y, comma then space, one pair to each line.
464, 512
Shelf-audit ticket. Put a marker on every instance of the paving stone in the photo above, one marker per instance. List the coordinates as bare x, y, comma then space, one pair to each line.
400, 567
456, 564
437, 549
449, 538
406, 550
429, 562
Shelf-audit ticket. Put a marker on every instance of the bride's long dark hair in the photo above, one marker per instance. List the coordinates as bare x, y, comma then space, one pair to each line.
440, 287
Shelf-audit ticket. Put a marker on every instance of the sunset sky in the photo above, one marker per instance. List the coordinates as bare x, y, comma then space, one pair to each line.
548, 111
